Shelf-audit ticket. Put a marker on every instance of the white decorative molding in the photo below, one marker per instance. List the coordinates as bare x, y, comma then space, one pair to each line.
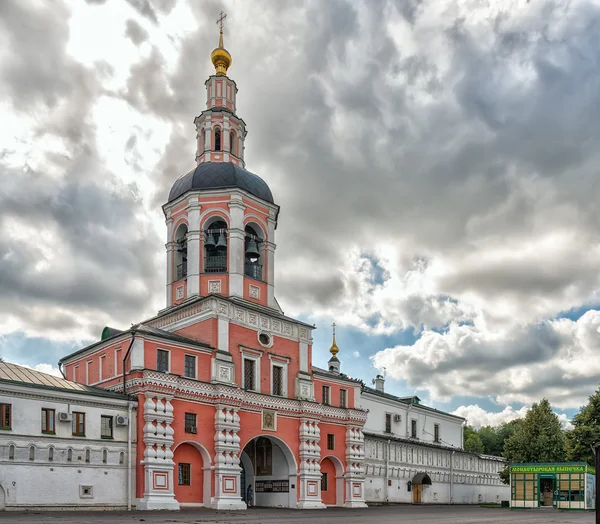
254, 292
227, 459
355, 471
214, 287
310, 469
179, 293
253, 319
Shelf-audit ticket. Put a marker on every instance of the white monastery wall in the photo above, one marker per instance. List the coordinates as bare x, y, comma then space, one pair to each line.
39, 470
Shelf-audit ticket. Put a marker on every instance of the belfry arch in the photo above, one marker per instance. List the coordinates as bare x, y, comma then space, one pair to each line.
269, 466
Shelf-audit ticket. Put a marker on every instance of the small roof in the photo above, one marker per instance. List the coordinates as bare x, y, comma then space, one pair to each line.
15, 374
421, 478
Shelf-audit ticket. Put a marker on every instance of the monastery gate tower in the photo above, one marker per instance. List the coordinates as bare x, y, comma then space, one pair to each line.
227, 393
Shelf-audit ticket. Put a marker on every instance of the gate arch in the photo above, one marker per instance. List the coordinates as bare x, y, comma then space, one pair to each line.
189, 497
283, 467
333, 467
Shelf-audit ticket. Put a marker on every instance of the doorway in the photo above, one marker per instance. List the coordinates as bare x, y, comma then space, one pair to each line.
270, 468
417, 493
547, 491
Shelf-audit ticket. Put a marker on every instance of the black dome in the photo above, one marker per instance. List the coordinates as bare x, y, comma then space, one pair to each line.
221, 175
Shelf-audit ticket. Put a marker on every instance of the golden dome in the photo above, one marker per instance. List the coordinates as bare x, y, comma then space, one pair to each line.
334, 349
221, 58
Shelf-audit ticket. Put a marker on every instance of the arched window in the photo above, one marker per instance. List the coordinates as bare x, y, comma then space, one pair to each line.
50, 454
215, 247
232, 147
180, 262
104, 456
252, 246
11, 452
87, 455
69, 455
31, 452
122, 457
217, 139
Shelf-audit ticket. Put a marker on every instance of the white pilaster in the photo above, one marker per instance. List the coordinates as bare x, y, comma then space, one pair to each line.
354, 478
170, 247
309, 477
227, 459
193, 249
236, 247
270, 252
158, 458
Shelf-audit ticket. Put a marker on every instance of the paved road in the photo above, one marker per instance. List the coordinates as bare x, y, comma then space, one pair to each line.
401, 514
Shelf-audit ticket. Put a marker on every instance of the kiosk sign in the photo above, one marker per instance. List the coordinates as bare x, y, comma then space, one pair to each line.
562, 468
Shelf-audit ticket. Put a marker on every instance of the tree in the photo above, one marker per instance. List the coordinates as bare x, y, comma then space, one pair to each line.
539, 438
473, 443
585, 433
491, 440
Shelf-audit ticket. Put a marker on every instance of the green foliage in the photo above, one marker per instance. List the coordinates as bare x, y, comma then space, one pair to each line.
585, 433
539, 438
473, 443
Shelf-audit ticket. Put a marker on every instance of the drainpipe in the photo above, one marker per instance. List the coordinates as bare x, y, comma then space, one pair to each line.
129, 461
387, 467
127, 356
451, 475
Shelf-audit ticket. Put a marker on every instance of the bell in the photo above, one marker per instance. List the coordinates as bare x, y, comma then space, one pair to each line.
210, 241
221, 243
252, 253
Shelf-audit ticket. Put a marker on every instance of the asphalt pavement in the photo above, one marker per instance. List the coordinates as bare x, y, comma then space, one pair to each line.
395, 514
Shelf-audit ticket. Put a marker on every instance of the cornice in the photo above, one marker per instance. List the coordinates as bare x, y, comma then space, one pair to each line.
182, 388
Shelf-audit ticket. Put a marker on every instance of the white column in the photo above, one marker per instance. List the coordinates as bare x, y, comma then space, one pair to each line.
193, 249
227, 459
354, 496
158, 461
170, 247
225, 137
309, 478
270, 254
236, 247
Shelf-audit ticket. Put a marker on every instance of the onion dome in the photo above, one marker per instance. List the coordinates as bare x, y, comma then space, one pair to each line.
220, 57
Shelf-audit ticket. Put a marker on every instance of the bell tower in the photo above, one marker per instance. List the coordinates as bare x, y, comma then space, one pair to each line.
221, 218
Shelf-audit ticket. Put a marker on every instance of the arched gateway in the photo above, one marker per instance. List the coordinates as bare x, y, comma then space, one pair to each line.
269, 466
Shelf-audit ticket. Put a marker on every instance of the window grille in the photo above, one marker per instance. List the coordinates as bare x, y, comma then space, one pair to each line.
343, 398
162, 360
190, 422
330, 441
184, 474
388, 423
277, 380
326, 395
324, 481
190, 366
436, 432
249, 374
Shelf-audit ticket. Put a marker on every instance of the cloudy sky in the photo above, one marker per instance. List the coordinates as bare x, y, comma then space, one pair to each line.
436, 164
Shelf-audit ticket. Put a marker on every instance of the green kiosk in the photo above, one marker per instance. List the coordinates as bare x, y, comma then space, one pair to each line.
559, 485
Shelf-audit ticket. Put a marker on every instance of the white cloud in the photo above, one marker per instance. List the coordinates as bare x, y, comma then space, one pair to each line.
555, 359
478, 417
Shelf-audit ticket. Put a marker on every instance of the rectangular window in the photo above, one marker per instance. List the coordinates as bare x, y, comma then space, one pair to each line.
343, 398
436, 432
277, 380
326, 395
413, 428
190, 423
48, 420
330, 441
78, 424
189, 370
185, 476
324, 482
162, 360
388, 422
249, 374
106, 426
5, 416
